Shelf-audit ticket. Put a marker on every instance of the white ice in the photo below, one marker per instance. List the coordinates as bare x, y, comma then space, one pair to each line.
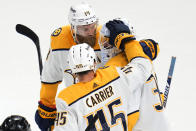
170, 22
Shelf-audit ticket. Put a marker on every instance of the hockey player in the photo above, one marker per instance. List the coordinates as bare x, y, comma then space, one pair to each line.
83, 28
15, 123
151, 112
72, 98
111, 93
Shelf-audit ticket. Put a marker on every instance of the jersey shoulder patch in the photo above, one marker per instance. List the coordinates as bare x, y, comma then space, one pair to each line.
57, 32
62, 38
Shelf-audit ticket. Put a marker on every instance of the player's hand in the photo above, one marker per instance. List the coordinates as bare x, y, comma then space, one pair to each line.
45, 117
150, 48
119, 33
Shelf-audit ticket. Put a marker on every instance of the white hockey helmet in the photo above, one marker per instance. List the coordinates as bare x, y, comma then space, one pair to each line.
81, 58
83, 23
108, 51
81, 14
105, 33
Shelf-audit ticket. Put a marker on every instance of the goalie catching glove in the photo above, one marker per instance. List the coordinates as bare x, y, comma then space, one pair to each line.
45, 117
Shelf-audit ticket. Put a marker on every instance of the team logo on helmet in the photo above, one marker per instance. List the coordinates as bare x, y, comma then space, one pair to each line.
74, 11
57, 32
87, 13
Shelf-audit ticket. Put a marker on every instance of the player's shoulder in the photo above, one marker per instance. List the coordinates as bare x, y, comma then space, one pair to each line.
107, 73
119, 60
61, 30
61, 38
70, 94
73, 93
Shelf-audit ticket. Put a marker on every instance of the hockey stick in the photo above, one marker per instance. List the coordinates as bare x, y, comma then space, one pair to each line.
24, 30
169, 78
33, 36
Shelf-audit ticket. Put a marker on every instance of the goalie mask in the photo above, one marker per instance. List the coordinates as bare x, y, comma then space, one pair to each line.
81, 58
15, 123
83, 24
107, 50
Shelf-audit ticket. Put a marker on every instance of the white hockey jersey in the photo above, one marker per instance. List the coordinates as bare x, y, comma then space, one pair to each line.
151, 112
56, 68
152, 117
113, 95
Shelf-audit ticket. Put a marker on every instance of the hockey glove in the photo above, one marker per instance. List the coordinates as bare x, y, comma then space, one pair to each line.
45, 117
150, 48
119, 33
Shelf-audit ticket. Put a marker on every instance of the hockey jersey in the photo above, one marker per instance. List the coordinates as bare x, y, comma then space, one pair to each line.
55, 68
151, 112
114, 94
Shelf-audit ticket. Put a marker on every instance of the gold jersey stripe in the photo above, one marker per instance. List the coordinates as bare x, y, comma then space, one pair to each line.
132, 119
77, 91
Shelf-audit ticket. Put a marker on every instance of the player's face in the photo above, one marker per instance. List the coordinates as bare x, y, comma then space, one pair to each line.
86, 34
86, 30
104, 42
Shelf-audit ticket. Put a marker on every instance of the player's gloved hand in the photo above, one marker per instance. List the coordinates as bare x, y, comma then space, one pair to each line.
45, 117
119, 33
150, 48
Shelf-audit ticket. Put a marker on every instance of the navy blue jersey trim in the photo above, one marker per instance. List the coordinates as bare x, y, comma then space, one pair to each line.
94, 90
42, 106
62, 49
50, 82
97, 49
150, 77
133, 112
137, 57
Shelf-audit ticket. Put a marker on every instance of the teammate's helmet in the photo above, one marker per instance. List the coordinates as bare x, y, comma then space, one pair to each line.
15, 123
105, 33
81, 58
81, 14
107, 50
83, 23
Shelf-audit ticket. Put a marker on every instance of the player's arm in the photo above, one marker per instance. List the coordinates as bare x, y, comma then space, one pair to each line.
50, 79
121, 38
134, 99
66, 118
140, 63
147, 48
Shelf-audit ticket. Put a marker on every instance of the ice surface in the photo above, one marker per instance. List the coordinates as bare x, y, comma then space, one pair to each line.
171, 23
